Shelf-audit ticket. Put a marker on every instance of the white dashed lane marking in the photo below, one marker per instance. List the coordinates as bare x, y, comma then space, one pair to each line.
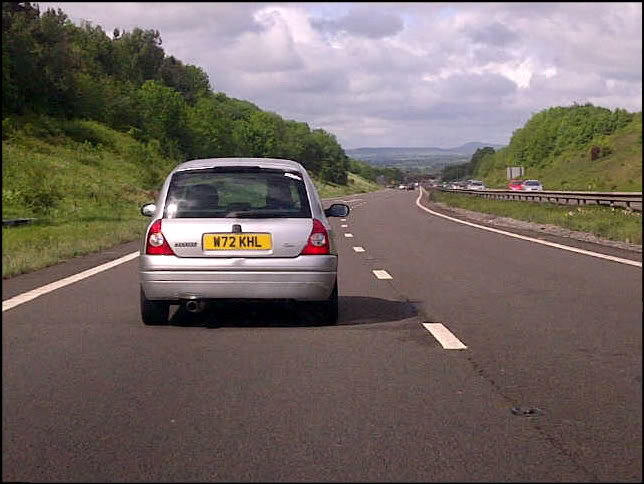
444, 336
358, 249
344, 225
381, 274
348, 235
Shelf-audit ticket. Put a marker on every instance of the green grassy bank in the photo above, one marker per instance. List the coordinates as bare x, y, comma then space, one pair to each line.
613, 224
84, 184
571, 167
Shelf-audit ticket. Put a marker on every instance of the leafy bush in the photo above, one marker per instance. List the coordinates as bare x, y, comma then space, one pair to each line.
602, 146
8, 127
43, 194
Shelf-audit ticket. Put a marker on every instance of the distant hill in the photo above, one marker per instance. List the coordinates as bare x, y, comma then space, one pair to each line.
424, 159
471, 147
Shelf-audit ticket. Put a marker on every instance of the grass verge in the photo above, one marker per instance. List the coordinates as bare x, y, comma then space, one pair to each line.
51, 240
27, 248
356, 184
606, 222
84, 183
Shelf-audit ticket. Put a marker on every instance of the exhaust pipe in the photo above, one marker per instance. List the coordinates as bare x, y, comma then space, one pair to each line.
195, 306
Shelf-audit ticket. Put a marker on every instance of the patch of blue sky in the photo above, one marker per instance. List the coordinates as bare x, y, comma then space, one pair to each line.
328, 11
446, 12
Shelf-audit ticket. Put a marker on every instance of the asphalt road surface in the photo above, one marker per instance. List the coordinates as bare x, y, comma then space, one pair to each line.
548, 386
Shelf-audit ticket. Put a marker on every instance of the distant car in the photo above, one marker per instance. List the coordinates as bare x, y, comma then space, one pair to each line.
532, 186
402, 187
515, 185
238, 228
410, 186
475, 185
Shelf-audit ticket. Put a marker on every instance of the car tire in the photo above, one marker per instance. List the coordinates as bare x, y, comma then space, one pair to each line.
153, 313
320, 313
328, 310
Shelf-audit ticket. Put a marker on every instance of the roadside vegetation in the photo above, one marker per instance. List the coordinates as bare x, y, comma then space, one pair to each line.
576, 148
355, 184
84, 183
579, 147
92, 124
85, 196
606, 222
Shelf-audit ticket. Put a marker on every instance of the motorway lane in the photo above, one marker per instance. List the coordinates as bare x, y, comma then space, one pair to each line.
89, 394
256, 393
547, 328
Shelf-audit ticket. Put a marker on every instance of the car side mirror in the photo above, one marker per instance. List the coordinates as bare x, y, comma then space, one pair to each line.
337, 210
148, 209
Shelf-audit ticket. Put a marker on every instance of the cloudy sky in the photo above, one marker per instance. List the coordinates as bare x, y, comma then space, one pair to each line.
400, 74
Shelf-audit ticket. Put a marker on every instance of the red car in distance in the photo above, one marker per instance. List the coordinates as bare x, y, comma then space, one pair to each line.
515, 185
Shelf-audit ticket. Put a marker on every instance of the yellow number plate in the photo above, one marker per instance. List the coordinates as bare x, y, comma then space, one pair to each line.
237, 241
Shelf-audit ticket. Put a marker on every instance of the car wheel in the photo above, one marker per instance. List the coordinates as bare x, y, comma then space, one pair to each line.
327, 313
153, 313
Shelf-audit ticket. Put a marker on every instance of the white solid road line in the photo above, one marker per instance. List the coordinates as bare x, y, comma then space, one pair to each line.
358, 249
444, 336
33, 294
530, 239
381, 274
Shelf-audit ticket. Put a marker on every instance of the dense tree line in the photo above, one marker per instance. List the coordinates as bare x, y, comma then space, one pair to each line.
379, 174
553, 131
462, 171
52, 67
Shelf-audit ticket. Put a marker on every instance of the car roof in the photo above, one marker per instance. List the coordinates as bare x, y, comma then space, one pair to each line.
261, 162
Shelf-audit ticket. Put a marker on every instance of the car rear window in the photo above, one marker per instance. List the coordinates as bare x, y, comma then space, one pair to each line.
240, 192
531, 183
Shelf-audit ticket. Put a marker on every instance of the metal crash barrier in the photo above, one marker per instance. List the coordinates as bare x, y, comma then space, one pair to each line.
629, 200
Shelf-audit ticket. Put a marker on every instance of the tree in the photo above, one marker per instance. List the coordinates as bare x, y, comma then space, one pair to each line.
21, 88
257, 136
164, 117
478, 155
191, 81
139, 55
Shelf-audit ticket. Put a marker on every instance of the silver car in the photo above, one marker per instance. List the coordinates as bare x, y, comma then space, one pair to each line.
475, 185
532, 186
231, 228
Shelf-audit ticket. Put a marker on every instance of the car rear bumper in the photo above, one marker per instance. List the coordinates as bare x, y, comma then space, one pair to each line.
175, 286
304, 278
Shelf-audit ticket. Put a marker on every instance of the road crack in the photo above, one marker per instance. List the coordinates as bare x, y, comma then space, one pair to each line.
533, 417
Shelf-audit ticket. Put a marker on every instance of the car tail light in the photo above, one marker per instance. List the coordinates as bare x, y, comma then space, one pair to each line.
155, 243
318, 242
